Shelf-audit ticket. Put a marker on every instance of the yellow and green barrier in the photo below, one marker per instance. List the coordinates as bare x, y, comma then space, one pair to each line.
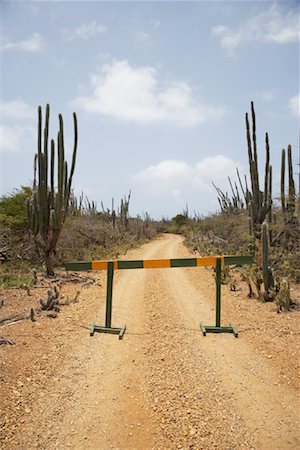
111, 266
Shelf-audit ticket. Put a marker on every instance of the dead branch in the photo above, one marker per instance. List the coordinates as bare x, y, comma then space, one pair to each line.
4, 341
13, 318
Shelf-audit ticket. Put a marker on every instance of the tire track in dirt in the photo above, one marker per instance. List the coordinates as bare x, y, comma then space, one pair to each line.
192, 409
269, 410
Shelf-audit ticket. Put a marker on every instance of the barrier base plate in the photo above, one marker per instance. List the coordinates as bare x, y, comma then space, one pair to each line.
99, 329
213, 329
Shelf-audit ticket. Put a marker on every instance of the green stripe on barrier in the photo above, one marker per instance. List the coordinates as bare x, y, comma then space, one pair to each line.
79, 266
138, 264
184, 262
238, 260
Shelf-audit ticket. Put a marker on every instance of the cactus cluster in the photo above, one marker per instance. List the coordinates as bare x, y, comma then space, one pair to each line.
237, 202
260, 202
124, 211
119, 218
47, 209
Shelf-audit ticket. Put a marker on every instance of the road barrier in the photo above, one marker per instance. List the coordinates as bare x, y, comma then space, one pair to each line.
111, 266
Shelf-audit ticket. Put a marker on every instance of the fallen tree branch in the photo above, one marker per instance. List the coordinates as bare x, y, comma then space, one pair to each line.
6, 341
13, 318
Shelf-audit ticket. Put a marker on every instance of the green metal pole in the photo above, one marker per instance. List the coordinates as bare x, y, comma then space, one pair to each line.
109, 288
218, 292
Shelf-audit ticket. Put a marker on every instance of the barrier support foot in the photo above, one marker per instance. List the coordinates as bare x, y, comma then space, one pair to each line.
99, 329
214, 329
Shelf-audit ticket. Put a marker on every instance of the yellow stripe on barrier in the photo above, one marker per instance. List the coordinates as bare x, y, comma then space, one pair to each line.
99, 265
157, 263
209, 261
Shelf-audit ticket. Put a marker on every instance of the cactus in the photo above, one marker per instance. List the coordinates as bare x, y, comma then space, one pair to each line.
291, 202
124, 211
259, 202
265, 254
282, 180
233, 205
266, 270
47, 209
288, 202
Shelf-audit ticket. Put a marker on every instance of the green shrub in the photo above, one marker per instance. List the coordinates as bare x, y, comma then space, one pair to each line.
13, 214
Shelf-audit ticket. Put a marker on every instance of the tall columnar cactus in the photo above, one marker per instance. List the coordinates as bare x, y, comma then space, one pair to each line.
124, 211
291, 203
282, 180
265, 253
288, 202
259, 201
47, 209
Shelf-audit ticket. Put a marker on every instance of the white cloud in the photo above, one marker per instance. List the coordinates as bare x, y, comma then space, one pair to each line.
294, 105
273, 25
33, 44
172, 173
17, 109
134, 94
84, 31
175, 180
16, 138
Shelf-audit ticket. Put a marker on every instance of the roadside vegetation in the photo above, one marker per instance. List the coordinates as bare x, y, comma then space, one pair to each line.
87, 234
44, 225
253, 221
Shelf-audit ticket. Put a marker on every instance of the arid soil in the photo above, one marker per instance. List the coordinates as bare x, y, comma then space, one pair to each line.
165, 385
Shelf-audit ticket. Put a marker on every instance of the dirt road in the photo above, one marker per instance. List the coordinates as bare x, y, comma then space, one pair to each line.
164, 386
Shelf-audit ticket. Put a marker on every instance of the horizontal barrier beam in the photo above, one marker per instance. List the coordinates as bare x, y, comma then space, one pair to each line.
160, 263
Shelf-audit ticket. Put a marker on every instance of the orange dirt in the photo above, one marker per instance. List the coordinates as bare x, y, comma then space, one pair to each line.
164, 386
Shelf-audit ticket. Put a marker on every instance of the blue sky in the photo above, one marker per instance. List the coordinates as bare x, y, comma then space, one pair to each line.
160, 89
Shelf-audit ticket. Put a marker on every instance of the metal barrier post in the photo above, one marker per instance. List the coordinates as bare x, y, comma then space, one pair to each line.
218, 328
218, 292
108, 311
110, 279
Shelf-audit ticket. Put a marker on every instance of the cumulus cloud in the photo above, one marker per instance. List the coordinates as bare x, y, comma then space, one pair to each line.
84, 31
175, 181
294, 105
272, 26
33, 44
135, 94
16, 138
17, 109
173, 173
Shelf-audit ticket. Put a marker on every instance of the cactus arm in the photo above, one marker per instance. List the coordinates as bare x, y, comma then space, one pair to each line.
270, 201
75, 146
282, 180
265, 254
52, 170
291, 191
267, 166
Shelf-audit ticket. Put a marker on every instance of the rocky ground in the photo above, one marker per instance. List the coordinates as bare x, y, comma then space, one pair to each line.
164, 386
